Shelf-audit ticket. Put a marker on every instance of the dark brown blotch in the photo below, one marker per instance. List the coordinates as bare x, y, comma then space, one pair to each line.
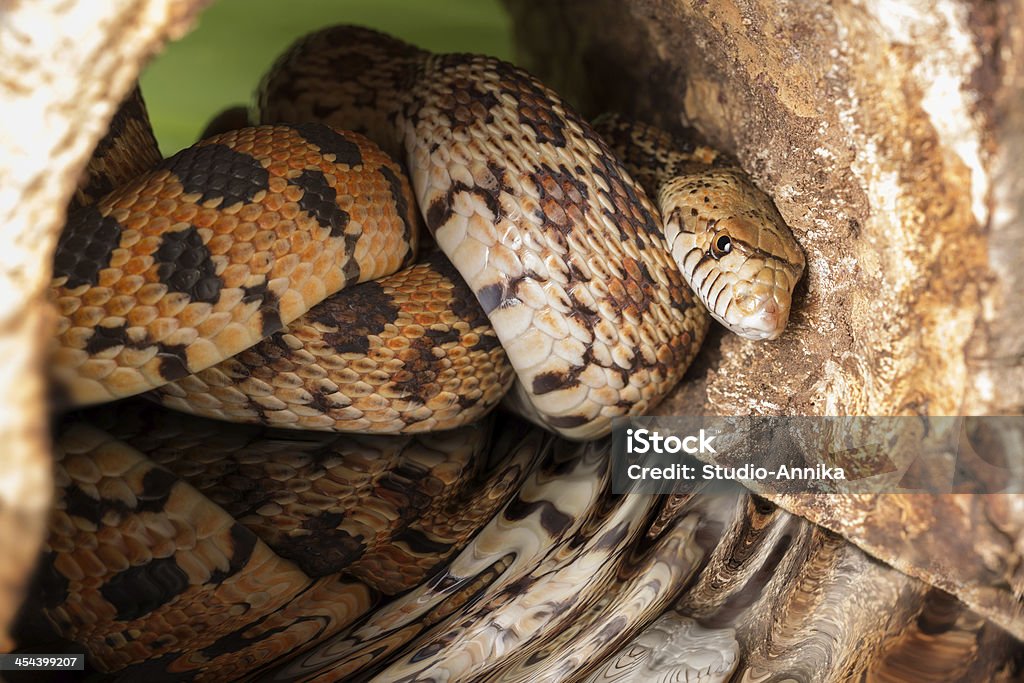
546, 382
563, 198
172, 358
329, 141
243, 541
552, 520
156, 489
185, 265
487, 342
462, 302
216, 171
629, 212
417, 379
326, 550
319, 201
536, 106
400, 197
468, 104
351, 317
491, 297
466, 402
85, 247
137, 591
442, 337
104, 338
440, 210
173, 361
270, 307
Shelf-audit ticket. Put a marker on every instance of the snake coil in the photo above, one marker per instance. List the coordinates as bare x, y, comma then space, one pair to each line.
239, 279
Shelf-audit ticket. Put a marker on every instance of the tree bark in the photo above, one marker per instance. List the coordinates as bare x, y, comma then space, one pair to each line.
890, 136
66, 66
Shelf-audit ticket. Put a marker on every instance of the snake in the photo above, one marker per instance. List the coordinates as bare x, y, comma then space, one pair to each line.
579, 280
268, 275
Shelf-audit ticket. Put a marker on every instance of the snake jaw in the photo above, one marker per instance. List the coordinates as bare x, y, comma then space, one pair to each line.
760, 290
762, 311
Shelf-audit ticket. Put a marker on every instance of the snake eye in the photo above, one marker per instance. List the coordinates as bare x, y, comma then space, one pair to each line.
721, 246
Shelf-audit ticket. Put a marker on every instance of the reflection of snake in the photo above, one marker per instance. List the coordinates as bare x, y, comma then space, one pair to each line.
227, 545
238, 236
439, 567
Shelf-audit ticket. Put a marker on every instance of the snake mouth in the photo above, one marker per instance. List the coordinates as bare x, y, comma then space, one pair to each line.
763, 315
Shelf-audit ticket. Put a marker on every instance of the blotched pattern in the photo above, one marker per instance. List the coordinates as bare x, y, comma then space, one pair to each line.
323, 501
139, 556
139, 567
561, 247
412, 352
216, 249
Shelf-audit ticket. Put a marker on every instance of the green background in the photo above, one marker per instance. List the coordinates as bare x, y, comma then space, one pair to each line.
219, 64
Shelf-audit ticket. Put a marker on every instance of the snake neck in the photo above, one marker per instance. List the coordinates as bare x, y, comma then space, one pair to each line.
732, 246
654, 156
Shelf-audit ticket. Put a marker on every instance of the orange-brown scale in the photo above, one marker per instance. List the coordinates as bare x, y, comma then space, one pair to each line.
411, 353
218, 248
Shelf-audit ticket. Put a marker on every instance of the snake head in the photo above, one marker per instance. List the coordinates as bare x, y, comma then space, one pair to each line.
734, 249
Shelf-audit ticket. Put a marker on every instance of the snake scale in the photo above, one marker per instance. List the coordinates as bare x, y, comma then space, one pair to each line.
229, 241
239, 280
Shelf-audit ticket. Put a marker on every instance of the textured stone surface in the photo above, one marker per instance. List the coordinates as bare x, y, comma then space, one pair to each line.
66, 66
887, 133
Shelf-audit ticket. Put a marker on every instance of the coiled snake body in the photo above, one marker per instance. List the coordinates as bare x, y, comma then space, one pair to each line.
246, 240
238, 236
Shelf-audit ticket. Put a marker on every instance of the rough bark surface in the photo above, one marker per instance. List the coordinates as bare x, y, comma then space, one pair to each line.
66, 66
890, 136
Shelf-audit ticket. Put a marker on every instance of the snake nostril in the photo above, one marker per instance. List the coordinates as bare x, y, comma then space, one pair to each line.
768, 306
